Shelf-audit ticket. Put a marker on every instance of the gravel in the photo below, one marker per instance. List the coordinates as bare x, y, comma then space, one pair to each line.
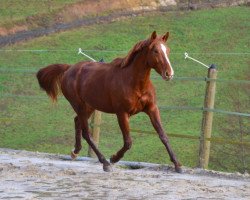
33, 175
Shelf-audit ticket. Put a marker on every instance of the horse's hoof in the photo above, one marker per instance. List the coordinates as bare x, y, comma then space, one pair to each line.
107, 168
178, 170
73, 155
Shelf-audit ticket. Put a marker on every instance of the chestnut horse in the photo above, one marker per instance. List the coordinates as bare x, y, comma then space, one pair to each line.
122, 87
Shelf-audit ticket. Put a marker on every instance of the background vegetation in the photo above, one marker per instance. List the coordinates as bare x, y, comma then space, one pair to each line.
221, 36
13, 11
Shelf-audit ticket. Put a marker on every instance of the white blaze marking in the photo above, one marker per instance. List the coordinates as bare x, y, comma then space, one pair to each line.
164, 49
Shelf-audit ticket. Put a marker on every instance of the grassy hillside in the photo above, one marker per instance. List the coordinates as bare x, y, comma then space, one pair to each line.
219, 36
14, 10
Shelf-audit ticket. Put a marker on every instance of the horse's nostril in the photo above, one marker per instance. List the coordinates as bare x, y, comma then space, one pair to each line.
170, 77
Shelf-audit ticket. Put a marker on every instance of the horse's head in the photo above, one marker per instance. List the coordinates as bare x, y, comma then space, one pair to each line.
157, 56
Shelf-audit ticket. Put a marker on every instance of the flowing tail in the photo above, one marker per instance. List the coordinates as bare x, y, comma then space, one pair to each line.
49, 79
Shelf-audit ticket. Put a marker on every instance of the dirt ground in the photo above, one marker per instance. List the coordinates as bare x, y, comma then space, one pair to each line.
29, 175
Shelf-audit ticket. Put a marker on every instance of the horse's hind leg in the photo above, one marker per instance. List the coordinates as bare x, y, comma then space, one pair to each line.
78, 138
87, 137
78, 135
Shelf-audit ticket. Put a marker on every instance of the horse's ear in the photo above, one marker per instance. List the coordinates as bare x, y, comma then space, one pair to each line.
165, 37
153, 35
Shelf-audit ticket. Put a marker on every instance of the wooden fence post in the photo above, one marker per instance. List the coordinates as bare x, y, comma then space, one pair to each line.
207, 119
95, 131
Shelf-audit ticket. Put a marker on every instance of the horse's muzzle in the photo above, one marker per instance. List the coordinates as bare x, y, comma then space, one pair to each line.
167, 77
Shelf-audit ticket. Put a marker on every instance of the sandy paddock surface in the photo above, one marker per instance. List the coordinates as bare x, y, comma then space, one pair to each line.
29, 175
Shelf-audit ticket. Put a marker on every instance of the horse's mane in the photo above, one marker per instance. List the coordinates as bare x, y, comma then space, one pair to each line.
124, 62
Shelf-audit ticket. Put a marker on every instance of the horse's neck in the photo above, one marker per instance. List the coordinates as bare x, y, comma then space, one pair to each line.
140, 72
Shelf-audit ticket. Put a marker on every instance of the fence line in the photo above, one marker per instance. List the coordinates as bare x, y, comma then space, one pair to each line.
212, 139
116, 51
182, 136
204, 109
160, 107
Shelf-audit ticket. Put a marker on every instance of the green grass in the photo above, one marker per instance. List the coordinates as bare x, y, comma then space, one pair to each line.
18, 10
36, 124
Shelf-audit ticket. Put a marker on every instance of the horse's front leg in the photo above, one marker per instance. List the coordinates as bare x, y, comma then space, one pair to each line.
154, 114
123, 120
78, 138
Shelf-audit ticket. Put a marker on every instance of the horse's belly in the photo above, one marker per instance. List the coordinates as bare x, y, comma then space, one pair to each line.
102, 108
99, 102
